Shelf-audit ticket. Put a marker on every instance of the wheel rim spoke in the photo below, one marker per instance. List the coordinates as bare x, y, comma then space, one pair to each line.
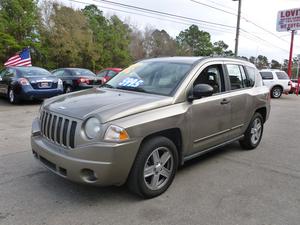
165, 172
165, 158
156, 158
154, 180
149, 171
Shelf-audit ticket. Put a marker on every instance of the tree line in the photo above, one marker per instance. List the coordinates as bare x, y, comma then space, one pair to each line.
61, 36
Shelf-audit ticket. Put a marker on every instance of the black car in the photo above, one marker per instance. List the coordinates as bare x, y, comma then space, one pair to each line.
28, 83
76, 78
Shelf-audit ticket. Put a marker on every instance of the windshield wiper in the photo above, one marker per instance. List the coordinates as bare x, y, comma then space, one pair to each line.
107, 85
138, 89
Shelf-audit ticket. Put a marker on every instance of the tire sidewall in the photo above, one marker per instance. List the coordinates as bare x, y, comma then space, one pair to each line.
14, 100
145, 151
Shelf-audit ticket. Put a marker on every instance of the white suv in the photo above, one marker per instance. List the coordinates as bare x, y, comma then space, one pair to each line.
277, 81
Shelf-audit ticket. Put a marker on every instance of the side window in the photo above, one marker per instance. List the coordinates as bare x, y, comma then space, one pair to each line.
66, 73
2, 72
102, 73
266, 75
58, 73
235, 77
111, 73
250, 76
213, 76
9, 73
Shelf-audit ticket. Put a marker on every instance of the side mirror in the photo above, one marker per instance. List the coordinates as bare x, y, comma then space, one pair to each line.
201, 90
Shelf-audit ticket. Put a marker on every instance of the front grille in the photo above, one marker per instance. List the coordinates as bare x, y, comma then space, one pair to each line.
59, 129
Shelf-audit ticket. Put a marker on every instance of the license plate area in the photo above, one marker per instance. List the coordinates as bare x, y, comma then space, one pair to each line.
44, 85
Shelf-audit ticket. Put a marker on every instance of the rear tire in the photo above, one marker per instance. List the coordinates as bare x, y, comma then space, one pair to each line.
154, 168
254, 132
276, 92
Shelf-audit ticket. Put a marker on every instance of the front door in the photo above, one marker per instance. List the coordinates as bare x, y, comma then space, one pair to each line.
210, 116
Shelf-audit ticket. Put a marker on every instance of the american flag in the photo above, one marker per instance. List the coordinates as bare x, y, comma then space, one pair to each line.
20, 59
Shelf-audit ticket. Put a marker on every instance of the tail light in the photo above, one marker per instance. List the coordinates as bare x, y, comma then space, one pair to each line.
23, 81
83, 80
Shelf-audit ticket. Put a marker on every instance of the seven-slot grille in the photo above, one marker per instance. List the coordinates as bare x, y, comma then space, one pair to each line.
58, 129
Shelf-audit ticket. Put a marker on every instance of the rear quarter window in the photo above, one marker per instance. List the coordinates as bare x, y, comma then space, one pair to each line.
250, 82
282, 75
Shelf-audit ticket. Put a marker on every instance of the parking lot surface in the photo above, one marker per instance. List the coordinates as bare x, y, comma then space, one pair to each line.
228, 186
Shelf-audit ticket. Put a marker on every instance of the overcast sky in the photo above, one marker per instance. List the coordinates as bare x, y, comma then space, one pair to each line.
261, 12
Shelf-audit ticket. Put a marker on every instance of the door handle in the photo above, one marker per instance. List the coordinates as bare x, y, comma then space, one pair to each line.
225, 101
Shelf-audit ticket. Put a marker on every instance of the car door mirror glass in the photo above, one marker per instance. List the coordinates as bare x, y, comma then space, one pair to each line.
202, 90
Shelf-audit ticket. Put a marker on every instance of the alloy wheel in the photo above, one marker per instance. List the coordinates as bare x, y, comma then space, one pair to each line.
158, 168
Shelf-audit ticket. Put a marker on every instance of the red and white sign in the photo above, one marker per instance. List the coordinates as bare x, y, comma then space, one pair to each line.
288, 20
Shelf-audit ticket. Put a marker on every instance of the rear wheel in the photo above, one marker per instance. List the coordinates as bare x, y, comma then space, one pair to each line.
254, 132
154, 168
13, 99
276, 92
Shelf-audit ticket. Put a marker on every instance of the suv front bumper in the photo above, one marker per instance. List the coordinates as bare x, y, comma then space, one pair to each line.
100, 164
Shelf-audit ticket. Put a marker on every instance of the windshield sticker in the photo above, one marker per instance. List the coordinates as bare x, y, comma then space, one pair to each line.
131, 82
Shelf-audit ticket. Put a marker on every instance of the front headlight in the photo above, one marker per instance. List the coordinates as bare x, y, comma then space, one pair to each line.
92, 127
115, 133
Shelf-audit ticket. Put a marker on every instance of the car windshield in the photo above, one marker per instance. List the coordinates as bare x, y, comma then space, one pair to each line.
151, 77
32, 72
82, 72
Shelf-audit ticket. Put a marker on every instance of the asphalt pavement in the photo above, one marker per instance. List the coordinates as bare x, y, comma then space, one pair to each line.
228, 186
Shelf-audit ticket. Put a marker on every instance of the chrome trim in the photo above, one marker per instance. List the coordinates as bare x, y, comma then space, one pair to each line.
212, 135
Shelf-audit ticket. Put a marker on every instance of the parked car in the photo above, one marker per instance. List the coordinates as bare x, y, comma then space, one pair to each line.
149, 119
294, 86
28, 83
277, 81
108, 73
75, 79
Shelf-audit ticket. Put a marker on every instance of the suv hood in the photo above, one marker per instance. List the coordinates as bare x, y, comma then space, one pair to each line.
106, 104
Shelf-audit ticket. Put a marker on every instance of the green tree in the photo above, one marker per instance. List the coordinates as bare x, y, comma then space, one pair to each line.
275, 64
195, 41
262, 62
18, 26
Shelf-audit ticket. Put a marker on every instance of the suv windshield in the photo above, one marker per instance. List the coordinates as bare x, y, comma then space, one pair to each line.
151, 77
32, 72
282, 75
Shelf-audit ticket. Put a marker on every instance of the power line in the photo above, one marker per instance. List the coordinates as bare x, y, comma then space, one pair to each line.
244, 18
162, 13
217, 29
209, 28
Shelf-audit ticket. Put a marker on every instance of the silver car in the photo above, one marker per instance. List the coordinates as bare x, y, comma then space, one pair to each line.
148, 120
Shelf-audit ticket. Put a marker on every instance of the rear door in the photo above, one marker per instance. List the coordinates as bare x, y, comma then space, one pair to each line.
240, 98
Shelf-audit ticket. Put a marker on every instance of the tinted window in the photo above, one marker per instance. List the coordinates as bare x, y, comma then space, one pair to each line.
250, 76
266, 75
102, 73
111, 73
32, 72
151, 77
82, 72
212, 76
58, 73
235, 77
282, 75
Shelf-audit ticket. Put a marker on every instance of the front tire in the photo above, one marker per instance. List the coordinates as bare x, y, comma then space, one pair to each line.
254, 132
12, 98
154, 167
68, 89
276, 92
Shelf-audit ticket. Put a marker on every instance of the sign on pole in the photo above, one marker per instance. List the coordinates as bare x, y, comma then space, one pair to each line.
288, 20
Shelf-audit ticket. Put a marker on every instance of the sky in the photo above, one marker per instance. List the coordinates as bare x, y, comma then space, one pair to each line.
253, 40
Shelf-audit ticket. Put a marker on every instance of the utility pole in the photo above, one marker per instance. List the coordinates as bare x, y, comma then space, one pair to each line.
291, 55
237, 28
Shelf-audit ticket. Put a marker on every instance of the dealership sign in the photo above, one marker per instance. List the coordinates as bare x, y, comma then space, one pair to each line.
288, 20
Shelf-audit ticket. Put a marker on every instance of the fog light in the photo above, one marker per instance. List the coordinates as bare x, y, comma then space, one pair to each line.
88, 175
